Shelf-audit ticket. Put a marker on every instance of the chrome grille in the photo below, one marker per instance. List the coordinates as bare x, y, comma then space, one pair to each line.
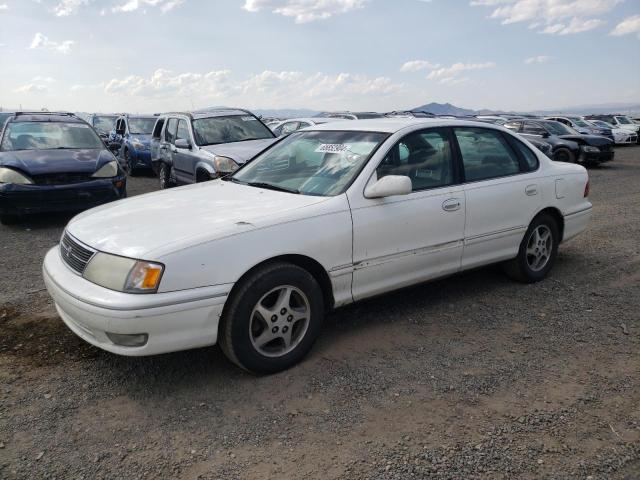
74, 254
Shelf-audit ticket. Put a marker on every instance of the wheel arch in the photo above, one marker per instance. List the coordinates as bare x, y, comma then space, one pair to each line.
315, 269
556, 215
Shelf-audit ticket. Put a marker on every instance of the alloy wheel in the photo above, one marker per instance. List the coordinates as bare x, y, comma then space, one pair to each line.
539, 248
279, 321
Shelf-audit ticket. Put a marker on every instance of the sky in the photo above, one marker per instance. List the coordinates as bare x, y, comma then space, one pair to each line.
159, 55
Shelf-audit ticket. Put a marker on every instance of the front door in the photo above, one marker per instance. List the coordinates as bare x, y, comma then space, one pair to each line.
402, 240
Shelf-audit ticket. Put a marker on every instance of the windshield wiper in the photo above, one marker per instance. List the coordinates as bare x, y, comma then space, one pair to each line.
270, 186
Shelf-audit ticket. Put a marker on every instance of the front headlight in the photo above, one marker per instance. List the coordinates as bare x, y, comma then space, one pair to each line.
590, 149
224, 165
124, 274
138, 145
107, 171
7, 175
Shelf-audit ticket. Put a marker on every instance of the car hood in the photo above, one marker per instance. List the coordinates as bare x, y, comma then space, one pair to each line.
38, 162
593, 140
240, 152
149, 226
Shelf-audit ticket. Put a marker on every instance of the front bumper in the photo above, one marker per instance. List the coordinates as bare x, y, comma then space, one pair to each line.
141, 158
25, 199
172, 321
595, 158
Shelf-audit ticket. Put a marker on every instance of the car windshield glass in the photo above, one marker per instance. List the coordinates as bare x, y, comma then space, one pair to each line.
141, 126
557, 128
3, 118
229, 129
579, 122
312, 163
624, 120
49, 135
104, 124
600, 123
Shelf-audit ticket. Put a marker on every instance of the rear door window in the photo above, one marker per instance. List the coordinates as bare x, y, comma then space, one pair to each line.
485, 154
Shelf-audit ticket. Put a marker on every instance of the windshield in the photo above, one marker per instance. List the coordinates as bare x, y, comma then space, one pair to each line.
141, 126
104, 124
557, 128
3, 118
600, 123
312, 163
579, 122
49, 135
229, 129
624, 120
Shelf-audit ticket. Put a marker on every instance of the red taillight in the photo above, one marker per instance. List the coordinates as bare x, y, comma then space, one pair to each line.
586, 189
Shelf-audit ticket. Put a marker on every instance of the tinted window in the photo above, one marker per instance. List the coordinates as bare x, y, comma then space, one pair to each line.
183, 130
157, 130
530, 158
141, 125
170, 131
485, 154
49, 135
425, 157
533, 128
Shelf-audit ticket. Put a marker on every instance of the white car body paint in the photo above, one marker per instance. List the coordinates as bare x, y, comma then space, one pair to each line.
209, 235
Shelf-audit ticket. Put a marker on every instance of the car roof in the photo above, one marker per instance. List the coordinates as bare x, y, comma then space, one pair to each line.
393, 125
44, 117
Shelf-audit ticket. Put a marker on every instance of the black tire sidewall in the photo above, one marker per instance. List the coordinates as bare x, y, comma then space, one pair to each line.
238, 318
567, 153
529, 274
163, 175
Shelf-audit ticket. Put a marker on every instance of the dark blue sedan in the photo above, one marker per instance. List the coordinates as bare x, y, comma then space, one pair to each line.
51, 162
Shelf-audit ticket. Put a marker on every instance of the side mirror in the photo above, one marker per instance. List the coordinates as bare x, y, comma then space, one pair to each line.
183, 143
389, 186
545, 134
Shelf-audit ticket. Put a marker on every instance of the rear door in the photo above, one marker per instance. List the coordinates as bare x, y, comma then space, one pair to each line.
501, 191
166, 146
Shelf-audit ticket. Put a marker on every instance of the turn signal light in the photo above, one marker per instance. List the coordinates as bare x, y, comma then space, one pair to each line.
586, 189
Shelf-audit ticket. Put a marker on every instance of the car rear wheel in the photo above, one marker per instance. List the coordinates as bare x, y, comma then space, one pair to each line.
564, 155
537, 252
202, 176
273, 319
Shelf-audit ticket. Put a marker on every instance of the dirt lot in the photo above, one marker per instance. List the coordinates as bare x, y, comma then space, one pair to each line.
469, 377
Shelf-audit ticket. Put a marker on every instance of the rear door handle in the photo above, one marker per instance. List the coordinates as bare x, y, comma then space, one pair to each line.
451, 205
531, 190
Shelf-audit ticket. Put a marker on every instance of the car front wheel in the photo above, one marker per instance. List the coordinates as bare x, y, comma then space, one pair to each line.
273, 319
564, 155
537, 252
164, 174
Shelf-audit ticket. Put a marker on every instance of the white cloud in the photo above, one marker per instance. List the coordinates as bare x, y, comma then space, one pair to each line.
31, 88
41, 42
44, 79
538, 59
451, 75
417, 65
65, 8
268, 88
627, 26
3, 7
133, 5
304, 11
558, 17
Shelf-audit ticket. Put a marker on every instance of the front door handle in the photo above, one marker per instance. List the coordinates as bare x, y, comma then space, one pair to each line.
451, 205
531, 190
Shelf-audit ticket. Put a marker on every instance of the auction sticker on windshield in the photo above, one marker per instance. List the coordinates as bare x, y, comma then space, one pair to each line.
332, 148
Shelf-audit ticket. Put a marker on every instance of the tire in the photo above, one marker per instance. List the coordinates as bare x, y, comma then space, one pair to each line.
564, 155
536, 255
129, 163
202, 176
9, 219
259, 344
164, 174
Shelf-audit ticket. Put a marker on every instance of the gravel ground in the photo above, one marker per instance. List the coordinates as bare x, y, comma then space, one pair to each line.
469, 377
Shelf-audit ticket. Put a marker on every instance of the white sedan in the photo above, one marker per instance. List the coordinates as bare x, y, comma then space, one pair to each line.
325, 217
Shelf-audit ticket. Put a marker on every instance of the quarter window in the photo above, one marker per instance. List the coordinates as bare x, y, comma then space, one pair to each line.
485, 154
425, 157
530, 158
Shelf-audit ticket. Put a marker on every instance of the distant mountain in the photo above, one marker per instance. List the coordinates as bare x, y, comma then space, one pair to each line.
443, 109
